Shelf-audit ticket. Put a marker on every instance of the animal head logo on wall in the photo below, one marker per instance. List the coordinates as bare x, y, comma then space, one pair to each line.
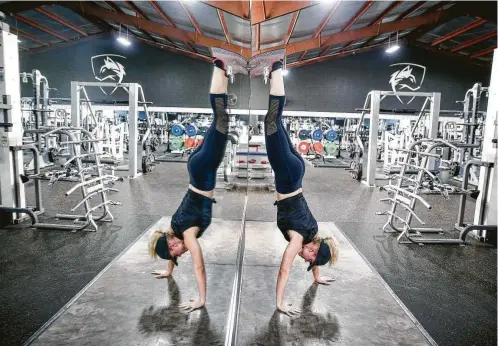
106, 68
408, 77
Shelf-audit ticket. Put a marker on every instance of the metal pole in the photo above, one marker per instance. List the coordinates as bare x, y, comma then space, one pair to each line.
133, 130
486, 203
420, 115
17, 187
433, 124
372, 141
465, 185
37, 106
480, 214
75, 104
476, 94
45, 97
36, 171
10, 87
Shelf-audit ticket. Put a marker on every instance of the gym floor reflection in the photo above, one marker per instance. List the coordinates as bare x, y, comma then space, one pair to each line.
324, 326
172, 323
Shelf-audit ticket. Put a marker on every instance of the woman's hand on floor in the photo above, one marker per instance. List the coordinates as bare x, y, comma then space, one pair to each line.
324, 280
288, 309
191, 306
161, 274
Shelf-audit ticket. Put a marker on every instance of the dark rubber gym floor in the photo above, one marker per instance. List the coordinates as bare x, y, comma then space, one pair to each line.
451, 290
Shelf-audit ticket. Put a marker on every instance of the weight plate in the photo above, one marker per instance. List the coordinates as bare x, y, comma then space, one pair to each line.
331, 135
331, 148
144, 164
177, 130
190, 142
61, 113
304, 134
317, 135
191, 130
177, 143
359, 171
352, 171
147, 163
303, 147
52, 153
232, 99
154, 142
318, 147
150, 160
454, 169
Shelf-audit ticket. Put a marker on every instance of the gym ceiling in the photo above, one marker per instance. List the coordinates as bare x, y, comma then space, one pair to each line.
311, 31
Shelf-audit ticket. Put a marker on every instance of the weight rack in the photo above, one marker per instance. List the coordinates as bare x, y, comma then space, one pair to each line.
90, 185
407, 191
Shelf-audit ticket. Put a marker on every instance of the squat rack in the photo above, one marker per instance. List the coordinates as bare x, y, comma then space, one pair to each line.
373, 100
136, 98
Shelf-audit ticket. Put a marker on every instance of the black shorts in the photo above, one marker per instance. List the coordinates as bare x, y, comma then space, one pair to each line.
293, 214
195, 211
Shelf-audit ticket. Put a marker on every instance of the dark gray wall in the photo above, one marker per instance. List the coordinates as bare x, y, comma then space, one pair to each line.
168, 79
339, 85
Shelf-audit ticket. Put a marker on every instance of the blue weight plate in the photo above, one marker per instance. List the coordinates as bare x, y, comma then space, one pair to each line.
331, 135
191, 130
177, 130
317, 135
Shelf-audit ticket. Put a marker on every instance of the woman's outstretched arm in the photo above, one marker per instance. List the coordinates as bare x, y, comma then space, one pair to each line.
290, 253
189, 237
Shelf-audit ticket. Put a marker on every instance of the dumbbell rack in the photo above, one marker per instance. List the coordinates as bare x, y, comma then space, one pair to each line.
407, 191
90, 185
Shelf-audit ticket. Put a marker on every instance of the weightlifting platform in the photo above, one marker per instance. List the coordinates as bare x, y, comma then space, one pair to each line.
356, 309
126, 305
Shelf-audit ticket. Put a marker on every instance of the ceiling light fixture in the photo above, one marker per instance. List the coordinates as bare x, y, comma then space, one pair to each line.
122, 39
393, 48
284, 67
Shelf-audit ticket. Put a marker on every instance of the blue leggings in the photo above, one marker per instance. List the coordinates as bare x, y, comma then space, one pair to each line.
287, 164
205, 160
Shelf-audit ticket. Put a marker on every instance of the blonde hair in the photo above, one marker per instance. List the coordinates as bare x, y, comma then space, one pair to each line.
331, 243
155, 237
